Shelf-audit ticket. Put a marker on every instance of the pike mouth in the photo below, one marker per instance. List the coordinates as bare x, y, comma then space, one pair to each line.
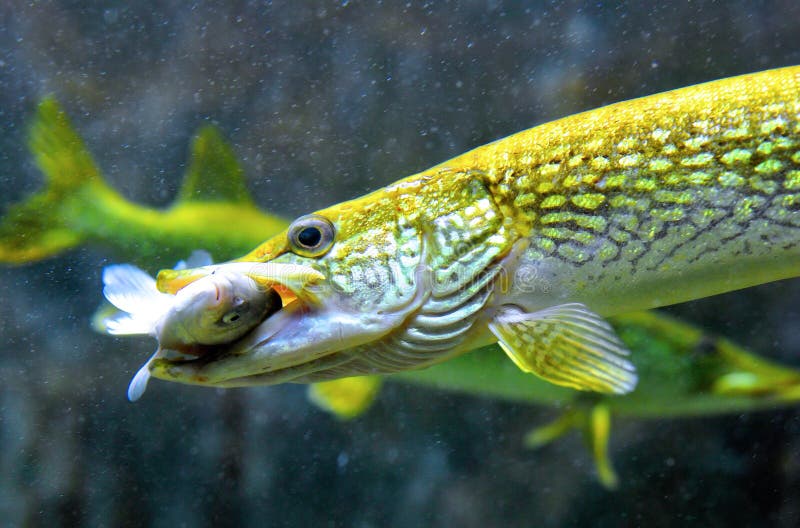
207, 367
297, 287
318, 332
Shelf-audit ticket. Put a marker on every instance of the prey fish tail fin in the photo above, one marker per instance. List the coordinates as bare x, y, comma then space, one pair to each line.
567, 345
124, 324
45, 223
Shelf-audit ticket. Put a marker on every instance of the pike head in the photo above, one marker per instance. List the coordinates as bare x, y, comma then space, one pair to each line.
391, 281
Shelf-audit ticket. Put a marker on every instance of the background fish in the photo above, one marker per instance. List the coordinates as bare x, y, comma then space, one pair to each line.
78, 206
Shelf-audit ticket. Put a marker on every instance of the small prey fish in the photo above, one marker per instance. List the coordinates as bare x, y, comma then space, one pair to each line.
218, 309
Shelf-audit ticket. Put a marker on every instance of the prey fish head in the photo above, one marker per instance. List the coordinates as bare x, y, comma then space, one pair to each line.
218, 308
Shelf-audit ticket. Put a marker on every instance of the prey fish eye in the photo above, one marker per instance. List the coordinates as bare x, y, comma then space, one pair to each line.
311, 235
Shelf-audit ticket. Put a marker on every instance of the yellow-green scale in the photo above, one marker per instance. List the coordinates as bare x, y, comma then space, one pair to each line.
668, 186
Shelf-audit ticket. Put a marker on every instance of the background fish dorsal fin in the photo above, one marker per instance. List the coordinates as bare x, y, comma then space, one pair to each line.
213, 174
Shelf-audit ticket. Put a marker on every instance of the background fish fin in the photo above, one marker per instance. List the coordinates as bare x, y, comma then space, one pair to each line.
125, 324
345, 398
758, 385
214, 174
567, 345
594, 422
105, 312
41, 226
546, 434
597, 431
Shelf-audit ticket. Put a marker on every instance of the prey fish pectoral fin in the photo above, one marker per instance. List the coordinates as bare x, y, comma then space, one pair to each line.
567, 345
139, 381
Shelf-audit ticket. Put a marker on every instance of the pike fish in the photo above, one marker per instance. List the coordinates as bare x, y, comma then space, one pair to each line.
532, 241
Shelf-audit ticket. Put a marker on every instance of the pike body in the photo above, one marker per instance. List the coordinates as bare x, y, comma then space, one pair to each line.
531, 240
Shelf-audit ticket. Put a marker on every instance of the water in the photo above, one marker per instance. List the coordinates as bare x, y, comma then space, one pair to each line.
323, 104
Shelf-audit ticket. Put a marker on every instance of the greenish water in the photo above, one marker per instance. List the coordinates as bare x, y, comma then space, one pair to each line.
323, 103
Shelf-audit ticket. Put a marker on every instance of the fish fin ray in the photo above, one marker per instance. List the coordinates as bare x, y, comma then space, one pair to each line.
214, 174
594, 422
567, 345
133, 291
548, 433
125, 324
598, 433
138, 383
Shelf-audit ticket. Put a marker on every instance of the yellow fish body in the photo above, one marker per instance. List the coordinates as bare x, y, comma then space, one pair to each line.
531, 240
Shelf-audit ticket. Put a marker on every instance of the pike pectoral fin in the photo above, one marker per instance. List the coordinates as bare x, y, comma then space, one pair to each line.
567, 345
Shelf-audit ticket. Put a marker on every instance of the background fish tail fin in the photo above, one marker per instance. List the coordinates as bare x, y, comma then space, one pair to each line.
43, 224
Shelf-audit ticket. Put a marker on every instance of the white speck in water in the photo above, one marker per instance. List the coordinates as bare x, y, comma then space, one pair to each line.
110, 16
342, 460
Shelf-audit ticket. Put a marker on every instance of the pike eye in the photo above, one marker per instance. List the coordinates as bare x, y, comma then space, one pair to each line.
311, 235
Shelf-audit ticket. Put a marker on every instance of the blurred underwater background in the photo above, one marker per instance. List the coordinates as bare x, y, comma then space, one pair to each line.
322, 102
